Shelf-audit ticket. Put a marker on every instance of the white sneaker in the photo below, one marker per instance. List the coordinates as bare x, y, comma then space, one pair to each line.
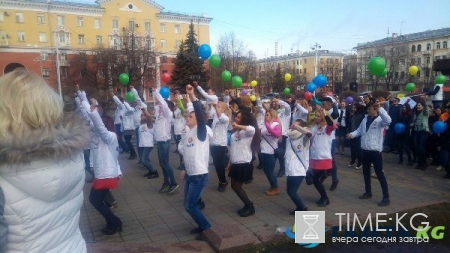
374, 175
439, 167
358, 167
351, 164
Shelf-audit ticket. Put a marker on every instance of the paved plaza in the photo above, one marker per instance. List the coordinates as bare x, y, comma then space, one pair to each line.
155, 222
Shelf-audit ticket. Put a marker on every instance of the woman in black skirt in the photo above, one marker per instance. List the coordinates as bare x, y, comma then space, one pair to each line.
244, 140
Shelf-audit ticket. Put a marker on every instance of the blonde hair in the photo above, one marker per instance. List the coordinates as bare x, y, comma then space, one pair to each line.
27, 103
273, 114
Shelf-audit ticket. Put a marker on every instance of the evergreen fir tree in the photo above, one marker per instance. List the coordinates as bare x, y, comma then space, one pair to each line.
188, 65
278, 80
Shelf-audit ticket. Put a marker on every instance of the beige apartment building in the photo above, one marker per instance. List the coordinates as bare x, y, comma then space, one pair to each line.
44, 35
302, 67
421, 49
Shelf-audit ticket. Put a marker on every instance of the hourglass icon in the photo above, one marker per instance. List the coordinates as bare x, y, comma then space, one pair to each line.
310, 233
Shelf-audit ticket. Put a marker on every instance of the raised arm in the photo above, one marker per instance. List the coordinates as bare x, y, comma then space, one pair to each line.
165, 107
287, 107
107, 136
201, 123
119, 103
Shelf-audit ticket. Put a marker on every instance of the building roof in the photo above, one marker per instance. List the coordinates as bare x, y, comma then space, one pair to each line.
303, 55
430, 34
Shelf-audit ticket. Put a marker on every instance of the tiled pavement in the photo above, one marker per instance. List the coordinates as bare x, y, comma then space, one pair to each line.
154, 222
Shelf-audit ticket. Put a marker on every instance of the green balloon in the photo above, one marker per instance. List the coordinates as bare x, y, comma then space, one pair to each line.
410, 87
214, 61
440, 79
130, 97
237, 81
384, 73
226, 76
124, 79
376, 66
287, 91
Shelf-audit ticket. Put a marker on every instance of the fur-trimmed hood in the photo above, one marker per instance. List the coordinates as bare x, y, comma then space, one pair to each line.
71, 136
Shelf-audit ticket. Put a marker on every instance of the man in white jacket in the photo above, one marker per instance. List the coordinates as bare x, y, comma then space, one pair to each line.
371, 132
194, 147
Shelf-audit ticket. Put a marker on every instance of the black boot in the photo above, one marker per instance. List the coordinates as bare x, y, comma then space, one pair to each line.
110, 230
248, 210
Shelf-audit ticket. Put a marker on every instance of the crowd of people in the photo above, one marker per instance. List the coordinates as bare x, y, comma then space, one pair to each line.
303, 136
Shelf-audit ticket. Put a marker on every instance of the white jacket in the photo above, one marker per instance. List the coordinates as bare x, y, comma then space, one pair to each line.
284, 116
195, 152
211, 111
145, 136
163, 116
240, 148
372, 139
43, 187
178, 122
301, 148
300, 113
119, 112
219, 128
105, 151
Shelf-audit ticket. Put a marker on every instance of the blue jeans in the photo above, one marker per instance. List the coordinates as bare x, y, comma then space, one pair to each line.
420, 145
122, 144
369, 157
444, 156
292, 185
139, 149
281, 159
146, 160
87, 162
193, 189
333, 163
163, 158
268, 163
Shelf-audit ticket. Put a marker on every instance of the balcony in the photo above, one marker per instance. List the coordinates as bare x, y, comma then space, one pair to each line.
64, 63
426, 52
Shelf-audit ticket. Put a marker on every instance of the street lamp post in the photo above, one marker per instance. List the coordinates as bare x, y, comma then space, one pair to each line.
315, 47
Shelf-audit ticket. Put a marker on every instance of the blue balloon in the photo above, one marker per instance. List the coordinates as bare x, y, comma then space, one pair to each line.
165, 92
399, 128
311, 87
439, 127
204, 51
320, 80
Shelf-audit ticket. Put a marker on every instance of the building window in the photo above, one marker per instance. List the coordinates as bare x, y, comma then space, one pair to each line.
177, 29
437, 57
419, 48
177, 44
83, 56
147, 26
402, 74
116, 42
304, 61
396, 74
438, 45
131, 25
19, 17
419, 61
62, 37
44, 56
80, 39
42, 37
413, 61
115, 24
418, 73
99, 40
148, 43
64, 72
444, 44
41, 19
428, 60
428, 46
63, 57
97, 23
45, 72
163, 28
61, 20
427, 72
413, 48
163, 43
80, 21
21, 36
